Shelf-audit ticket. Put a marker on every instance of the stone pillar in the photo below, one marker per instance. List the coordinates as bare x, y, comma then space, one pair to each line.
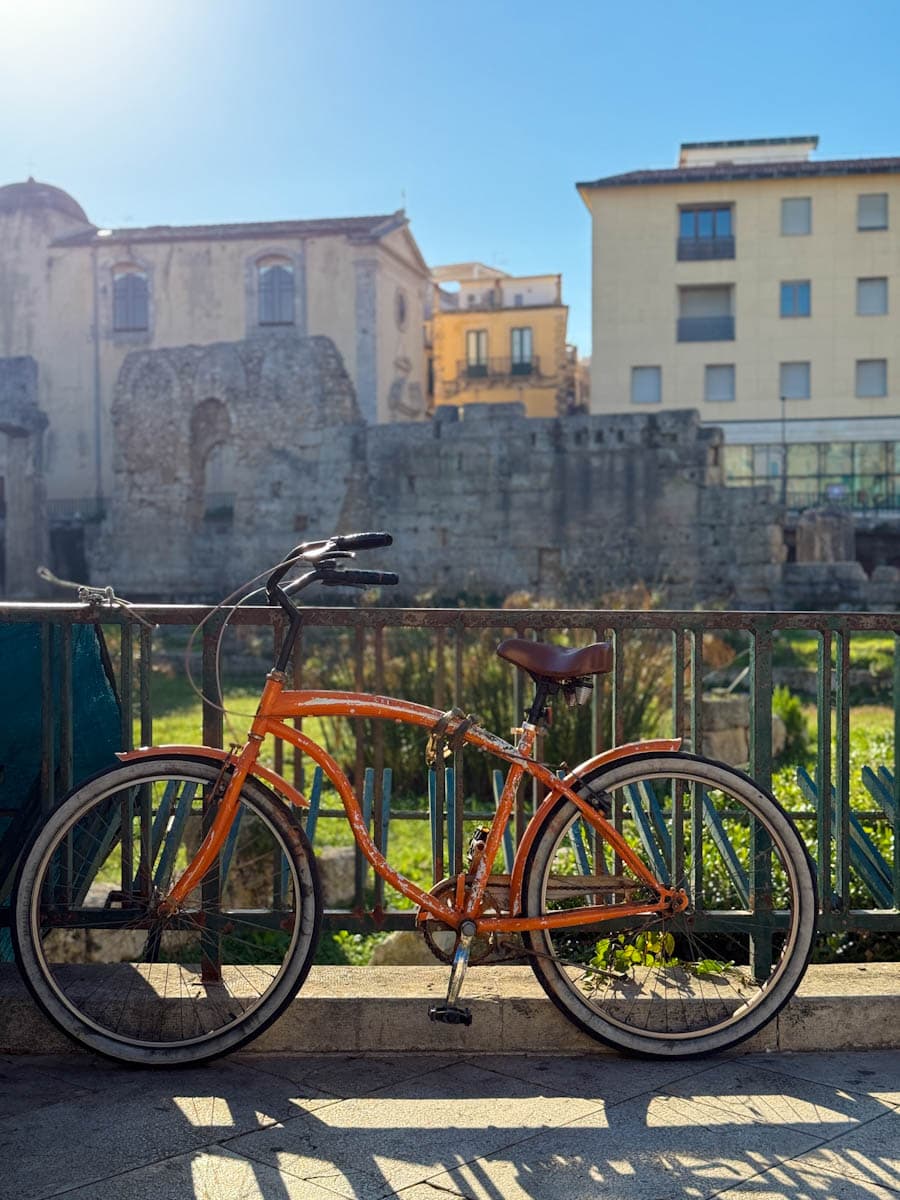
23, 503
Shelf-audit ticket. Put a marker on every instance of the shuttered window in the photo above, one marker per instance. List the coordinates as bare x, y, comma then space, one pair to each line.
646, 385
130, 301
276, 294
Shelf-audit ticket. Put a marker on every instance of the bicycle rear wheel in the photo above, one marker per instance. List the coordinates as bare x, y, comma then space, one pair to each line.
704, 979
130, 983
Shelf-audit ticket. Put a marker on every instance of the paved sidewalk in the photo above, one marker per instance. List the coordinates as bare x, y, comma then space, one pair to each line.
753, 1127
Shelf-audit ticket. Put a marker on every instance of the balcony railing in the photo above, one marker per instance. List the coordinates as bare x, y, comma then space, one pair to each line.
448, 652
498, 368
706, 329
695, 249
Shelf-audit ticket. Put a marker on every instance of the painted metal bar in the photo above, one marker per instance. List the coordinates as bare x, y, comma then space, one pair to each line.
387, 784
760, 882
173, 835
497, 781
675, 846
213, 722
636, 801
824, 858
145, 677
457, 787
841, 801
896, 822
315, 803
48, 719
379, 822
66, 709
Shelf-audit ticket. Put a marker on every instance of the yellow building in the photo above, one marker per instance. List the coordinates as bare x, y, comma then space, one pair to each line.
761, 287
78, 299
495, 338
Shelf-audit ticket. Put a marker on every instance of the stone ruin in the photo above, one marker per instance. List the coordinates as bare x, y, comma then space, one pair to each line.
481, 501
23, 510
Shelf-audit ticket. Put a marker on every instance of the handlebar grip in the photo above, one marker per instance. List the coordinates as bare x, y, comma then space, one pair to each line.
362, 541
359, 578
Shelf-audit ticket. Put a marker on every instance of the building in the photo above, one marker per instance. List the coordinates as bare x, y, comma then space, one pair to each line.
77, 300
494, 337
760, 286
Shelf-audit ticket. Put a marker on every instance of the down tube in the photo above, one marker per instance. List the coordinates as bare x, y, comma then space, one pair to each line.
357, 823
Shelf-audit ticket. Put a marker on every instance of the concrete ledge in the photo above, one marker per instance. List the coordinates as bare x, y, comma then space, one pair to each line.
385, 1009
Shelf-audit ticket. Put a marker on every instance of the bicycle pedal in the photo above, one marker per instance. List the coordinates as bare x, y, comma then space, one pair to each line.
450, 1014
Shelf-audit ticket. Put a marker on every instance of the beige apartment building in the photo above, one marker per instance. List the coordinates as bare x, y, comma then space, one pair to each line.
760, 286
78, 300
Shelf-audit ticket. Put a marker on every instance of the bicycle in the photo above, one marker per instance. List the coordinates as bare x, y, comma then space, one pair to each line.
169, 909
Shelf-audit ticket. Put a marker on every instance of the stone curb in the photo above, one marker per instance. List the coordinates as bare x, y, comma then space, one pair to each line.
385, 1009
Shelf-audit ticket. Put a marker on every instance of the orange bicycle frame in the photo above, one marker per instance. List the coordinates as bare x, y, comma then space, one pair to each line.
277, 706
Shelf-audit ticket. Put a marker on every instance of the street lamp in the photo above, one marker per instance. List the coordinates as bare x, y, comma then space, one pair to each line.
783, 451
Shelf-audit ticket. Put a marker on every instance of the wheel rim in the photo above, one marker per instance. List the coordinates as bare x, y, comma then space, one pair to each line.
702, 973
146, 981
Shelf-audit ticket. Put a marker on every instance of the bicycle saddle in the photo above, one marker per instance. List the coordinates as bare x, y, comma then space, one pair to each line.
553, 662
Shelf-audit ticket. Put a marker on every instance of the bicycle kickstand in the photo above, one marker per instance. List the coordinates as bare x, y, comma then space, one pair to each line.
451, 1013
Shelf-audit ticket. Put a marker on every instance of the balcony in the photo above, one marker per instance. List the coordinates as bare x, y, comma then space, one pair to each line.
494, 369
698, 249
705, 329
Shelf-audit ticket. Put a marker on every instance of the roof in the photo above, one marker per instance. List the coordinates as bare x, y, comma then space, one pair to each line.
743, 142
355, 228
454, 272
789, 169
32, 194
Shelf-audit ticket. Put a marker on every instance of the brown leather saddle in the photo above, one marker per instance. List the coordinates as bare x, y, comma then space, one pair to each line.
545, 661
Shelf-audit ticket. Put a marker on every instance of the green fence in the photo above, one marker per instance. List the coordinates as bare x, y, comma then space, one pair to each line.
665, 663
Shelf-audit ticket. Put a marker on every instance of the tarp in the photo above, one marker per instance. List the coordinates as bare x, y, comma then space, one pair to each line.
95, 731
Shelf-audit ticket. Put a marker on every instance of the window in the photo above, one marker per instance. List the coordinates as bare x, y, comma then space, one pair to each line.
518, 300
476, 352
871, 297
793, 382
131, 309
400, 308
705, 314
871, 377
795, 298
520, 345
705, 233
796, 216
276, 292
646, 385
872, 211
719, 382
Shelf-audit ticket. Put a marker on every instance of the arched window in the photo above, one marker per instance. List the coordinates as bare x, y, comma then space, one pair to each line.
131, 307
276, 292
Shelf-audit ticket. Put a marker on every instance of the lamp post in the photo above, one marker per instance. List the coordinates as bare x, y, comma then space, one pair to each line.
783, 451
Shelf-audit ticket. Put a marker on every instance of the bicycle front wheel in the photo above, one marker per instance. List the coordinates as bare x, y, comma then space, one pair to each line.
129, 982
692, 983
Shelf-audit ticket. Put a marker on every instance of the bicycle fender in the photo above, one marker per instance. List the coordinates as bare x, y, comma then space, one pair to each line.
653, 746
275, 781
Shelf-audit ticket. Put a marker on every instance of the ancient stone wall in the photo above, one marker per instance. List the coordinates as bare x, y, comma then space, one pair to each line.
484, 502
23, 516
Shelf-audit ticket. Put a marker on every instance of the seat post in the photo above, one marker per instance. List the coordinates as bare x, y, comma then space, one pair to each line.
542, 691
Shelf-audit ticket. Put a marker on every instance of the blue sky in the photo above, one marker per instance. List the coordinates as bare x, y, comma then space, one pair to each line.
478, 115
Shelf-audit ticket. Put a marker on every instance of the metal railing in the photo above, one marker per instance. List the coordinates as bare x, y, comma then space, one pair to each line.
498, 368
696, 249
705, 329
369, 649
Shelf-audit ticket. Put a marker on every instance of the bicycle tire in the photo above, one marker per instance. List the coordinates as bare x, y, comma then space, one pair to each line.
155, 990
700, 982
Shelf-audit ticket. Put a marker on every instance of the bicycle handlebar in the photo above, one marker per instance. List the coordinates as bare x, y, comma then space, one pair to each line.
361, 541
358, 578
